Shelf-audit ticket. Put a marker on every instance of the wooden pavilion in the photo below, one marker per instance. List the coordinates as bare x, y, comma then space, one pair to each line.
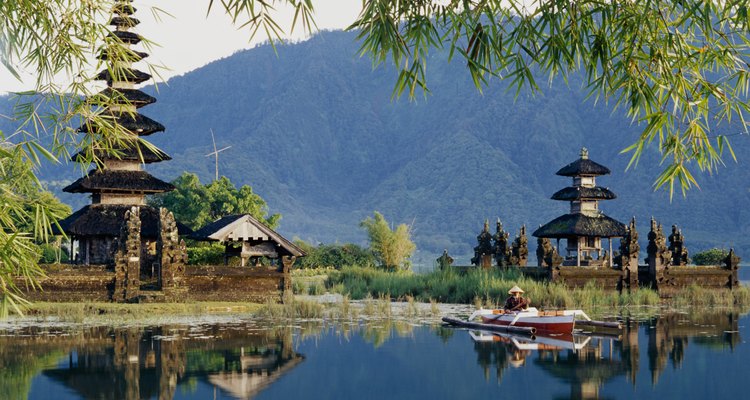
585, 225
247, 238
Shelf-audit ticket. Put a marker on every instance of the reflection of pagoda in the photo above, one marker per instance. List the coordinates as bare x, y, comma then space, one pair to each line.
585, 225
120, 182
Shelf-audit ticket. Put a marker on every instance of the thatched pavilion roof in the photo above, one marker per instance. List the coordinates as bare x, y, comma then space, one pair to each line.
134, 96
136, 123
244, 228
132, 55
106, 220
583, 166
125, 21
126, 37
116, 181
595, 225
147, 156
581, 192
127, 75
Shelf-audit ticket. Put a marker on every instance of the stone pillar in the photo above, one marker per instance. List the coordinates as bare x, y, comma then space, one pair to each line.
628, 259
659, 256
677, 247
501, 250
173, 257
732, 263
127, 258
286, 268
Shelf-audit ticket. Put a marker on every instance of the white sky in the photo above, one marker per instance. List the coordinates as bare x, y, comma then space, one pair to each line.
190, 40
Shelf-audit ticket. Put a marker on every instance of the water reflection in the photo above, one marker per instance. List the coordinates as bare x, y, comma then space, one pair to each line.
586, 362
137, 363
667, 356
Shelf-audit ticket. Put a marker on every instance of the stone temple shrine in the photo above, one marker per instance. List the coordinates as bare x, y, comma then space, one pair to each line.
585, 225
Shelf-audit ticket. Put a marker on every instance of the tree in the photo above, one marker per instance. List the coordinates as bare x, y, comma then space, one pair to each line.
197, 205
714, 256
27, 214
334, 255
391, 248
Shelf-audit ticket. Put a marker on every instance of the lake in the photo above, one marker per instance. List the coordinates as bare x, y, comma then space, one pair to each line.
670, 356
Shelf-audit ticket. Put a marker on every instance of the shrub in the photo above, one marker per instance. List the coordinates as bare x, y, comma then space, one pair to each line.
713, 256
206, 254
334, 256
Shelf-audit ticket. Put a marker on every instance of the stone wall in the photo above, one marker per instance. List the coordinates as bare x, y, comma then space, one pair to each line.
225, 283
73, 284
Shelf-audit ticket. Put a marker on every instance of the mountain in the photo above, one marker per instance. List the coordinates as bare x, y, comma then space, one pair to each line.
315, 132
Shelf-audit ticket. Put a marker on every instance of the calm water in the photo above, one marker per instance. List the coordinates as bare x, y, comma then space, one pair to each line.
675, 356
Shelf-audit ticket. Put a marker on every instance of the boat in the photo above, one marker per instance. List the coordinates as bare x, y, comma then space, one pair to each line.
562, 341
560, 321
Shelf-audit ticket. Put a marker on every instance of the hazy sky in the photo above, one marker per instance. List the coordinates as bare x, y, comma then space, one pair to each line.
189, 39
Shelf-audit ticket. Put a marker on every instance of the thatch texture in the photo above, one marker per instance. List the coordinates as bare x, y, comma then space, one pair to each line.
106, 219
239, 227
136, 123
126, 37
113, 181
147, 156
125, 9
125, 22
125, 75
598, 225
583, 166
579, 192
133, 96
132, 55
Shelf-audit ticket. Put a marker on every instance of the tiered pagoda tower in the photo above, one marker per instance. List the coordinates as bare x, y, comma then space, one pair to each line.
120, 182
585, 225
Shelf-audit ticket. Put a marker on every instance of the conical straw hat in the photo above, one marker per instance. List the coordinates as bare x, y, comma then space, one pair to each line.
515, 289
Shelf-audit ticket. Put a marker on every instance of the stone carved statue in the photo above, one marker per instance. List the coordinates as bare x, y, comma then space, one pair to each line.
484, 246
677, 247
520, 249
445, 261
546, 254
501, 249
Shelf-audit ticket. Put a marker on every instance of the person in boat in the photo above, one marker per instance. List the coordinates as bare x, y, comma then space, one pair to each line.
515, 301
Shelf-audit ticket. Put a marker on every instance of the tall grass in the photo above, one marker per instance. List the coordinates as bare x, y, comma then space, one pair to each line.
480, 287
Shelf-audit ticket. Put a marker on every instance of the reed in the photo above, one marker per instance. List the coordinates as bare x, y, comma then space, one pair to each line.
489, 288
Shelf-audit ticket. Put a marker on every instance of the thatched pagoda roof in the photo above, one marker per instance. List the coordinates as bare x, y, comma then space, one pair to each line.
580, 192
146, 156
125, 75
125, 9
116, 181
106, 220
133, 96
132, 55
136, 123
126, 37
583, 166
244, 228
125, 21
595, 225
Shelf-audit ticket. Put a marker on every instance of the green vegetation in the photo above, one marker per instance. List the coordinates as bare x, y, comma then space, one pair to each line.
714, 256
333, 255
392, 248
490, 288
197, 205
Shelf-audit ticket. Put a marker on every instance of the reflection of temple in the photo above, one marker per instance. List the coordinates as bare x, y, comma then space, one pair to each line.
586, 369
135, 364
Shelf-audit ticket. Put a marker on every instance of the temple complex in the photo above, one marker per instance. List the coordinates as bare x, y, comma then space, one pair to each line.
585, 225
119, 182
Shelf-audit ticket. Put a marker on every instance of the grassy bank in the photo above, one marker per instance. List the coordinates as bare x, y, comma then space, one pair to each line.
490, 288
114, 313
